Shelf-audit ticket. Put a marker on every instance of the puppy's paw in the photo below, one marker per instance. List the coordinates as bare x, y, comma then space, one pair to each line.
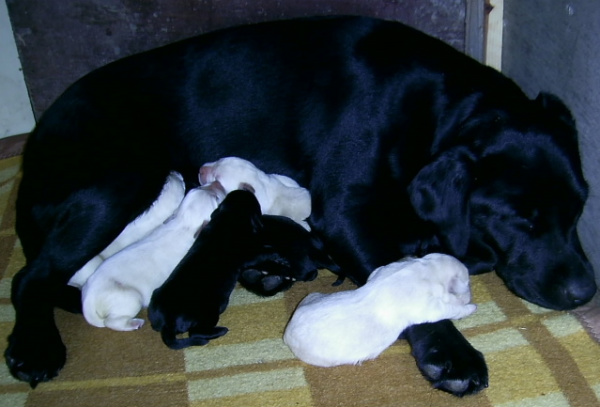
263, 283
196, 337
461, 311
136, 323
123, 323
35, 356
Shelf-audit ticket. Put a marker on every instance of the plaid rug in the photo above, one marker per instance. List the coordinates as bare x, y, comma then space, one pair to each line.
535, 356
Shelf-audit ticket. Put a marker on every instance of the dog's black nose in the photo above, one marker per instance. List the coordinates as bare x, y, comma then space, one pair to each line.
579, 292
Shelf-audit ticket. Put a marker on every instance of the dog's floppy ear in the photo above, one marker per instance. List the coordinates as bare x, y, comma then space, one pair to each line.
439, 194
555, 107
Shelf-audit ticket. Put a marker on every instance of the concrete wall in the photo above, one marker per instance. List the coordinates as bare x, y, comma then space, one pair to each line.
61, 40
555, 46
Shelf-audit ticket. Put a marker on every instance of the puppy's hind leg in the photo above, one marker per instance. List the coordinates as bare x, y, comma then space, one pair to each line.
194, 338
123, 323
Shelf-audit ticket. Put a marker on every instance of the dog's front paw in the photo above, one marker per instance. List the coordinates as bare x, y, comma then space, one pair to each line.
447, 359
37, 356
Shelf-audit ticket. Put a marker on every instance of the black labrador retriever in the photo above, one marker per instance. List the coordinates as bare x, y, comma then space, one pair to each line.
237, 240
407, 146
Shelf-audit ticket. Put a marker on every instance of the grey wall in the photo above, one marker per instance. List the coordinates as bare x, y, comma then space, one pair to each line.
61, 40
555, 46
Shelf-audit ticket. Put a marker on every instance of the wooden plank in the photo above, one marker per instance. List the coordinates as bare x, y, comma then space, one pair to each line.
493, 37
474, 34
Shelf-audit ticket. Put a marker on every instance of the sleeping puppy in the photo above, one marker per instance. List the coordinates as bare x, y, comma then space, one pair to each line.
277, 194
116, 292
349, 327
165, 205
236, 241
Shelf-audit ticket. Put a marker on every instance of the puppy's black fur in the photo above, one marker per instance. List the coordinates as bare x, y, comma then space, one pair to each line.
406, 145
288, 253
198, 290
271, 251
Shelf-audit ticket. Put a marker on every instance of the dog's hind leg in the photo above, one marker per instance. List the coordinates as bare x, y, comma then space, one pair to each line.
69, 299
76, 229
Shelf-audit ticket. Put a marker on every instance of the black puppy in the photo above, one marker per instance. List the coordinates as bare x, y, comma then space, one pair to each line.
407, 147
236, 239
288, 253
198, 290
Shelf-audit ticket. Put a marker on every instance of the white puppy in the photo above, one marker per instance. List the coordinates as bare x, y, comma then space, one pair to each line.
349, 327
277, 194
123, 284
164, 206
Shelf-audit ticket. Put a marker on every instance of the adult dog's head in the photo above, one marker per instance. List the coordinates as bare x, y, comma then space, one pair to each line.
507, 197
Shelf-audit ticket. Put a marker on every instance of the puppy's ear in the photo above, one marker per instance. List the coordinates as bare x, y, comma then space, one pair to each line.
440, 194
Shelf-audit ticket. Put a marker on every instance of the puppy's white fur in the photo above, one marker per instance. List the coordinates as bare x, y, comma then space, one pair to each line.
165, 205
277, 194
123, 284
349, 327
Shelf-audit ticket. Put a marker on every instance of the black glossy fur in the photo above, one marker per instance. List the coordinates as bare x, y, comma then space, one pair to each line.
406, 145
288, 253
198, 290
236, 239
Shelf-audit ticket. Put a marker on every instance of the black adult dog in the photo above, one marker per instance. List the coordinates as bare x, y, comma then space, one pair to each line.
407, 147
238, 240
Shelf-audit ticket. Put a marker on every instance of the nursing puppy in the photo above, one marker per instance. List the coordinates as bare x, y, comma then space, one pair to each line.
165, 205
123, 284
237, 240
349, 327
277, 194
198, 290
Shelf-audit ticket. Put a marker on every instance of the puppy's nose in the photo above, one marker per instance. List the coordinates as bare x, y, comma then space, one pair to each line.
203, 174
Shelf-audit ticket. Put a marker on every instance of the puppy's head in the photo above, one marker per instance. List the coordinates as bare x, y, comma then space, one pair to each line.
231, 172
239, 208
277, 194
